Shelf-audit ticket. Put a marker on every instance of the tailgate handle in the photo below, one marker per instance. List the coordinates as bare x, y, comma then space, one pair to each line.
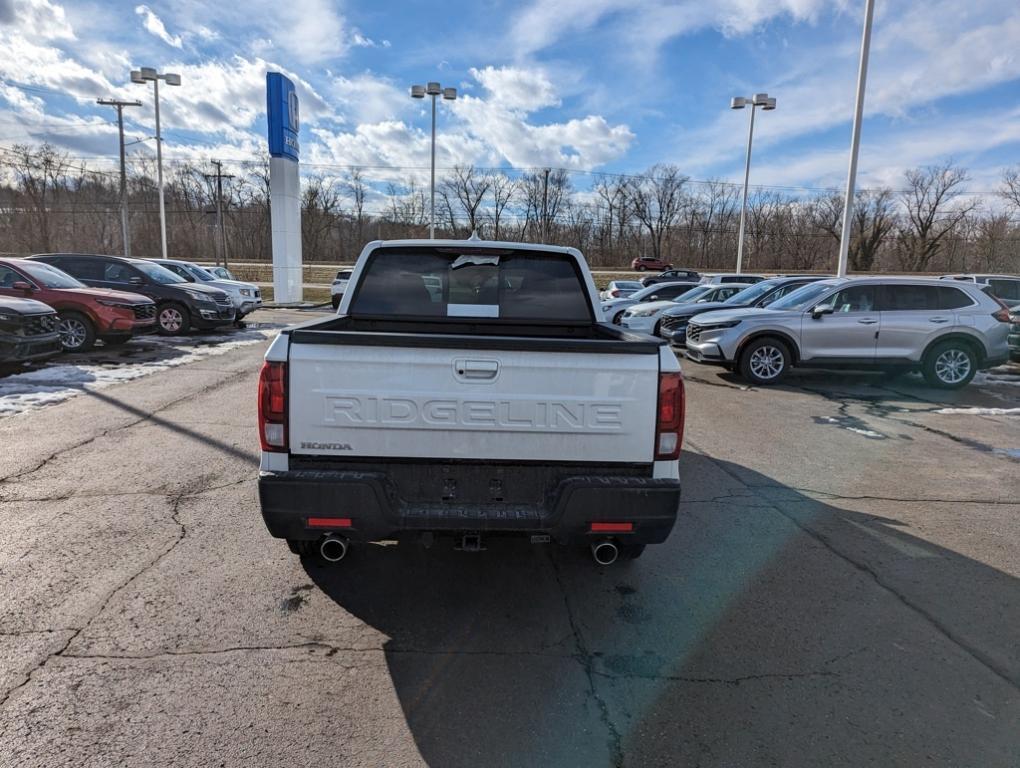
481, 370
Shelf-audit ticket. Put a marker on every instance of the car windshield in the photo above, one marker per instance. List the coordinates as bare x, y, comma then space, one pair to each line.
692, 294
627, 285
802, 297
750, 294
196, 271
222, 272
158, 274
49, 277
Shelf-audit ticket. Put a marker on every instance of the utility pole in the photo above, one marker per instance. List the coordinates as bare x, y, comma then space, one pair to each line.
221, 244
124, 226
545, 205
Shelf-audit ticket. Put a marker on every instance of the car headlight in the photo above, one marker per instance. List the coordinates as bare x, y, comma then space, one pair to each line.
643, 311
246, 292
720, 326
113, 303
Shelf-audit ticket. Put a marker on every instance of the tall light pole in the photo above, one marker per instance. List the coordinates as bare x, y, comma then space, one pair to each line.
124, 228
450, 94
767, 103
145, 75
855, 140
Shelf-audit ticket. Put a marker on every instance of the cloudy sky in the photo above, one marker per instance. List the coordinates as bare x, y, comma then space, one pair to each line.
607, 85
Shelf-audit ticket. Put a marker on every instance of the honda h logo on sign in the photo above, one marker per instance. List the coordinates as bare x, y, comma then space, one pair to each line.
293, 111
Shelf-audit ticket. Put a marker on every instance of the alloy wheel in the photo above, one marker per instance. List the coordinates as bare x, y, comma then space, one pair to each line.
767, 362
72, 333
170, 319
952, 366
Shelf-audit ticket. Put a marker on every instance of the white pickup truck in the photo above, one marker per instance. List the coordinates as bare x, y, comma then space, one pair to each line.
469, 389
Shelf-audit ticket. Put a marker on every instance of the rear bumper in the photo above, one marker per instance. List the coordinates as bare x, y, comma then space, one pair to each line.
376, 511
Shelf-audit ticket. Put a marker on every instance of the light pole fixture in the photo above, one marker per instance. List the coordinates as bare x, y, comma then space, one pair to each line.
125, 229
855, 141
145, 75
767, 103
449, 94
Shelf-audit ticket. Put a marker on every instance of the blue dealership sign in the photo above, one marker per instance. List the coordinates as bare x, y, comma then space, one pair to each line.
284, 117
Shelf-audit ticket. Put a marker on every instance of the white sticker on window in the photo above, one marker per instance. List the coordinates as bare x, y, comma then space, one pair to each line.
472, 310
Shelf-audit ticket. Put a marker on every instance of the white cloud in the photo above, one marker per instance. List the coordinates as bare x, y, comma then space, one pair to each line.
154, 26
312, 32
644, 25
517, 88
35, 19
366, 98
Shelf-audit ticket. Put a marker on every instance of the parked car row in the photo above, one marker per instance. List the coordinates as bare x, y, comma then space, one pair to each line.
946, 331
67, 301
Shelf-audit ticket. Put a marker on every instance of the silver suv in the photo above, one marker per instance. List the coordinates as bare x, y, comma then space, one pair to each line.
947, 330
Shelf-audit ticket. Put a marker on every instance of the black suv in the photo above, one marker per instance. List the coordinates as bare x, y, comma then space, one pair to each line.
180, 305
28, 331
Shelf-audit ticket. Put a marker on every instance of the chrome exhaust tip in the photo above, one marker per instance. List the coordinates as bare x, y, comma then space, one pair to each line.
333, 548
605, 552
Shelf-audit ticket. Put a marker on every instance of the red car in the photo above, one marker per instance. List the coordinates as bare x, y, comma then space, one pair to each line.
86, 314
644, 263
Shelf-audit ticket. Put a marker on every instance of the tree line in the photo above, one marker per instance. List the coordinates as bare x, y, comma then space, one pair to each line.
52, 202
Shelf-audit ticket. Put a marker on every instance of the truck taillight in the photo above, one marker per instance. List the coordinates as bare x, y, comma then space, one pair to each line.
273, 406
669, 423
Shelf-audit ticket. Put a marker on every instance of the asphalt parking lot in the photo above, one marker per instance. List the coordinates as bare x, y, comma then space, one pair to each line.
841, 588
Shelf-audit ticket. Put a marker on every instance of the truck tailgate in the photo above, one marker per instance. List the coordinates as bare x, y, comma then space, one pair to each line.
513, 405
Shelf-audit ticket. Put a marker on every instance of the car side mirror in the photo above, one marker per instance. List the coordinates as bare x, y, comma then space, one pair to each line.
23, 286
822, 309
136, 280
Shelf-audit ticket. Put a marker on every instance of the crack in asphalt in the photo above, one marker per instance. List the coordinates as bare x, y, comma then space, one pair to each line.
128, 425
975, 653
117, 494
586, 659
175, 506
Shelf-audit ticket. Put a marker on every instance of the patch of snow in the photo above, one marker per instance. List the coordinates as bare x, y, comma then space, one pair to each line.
1013, 453
60, 381
980, 411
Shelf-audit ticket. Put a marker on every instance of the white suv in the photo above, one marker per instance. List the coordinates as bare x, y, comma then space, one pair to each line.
946, 330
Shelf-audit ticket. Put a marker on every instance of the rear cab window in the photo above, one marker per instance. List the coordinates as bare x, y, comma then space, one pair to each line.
460, 283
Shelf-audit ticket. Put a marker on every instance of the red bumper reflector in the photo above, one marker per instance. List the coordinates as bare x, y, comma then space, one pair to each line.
329, 522
612, 527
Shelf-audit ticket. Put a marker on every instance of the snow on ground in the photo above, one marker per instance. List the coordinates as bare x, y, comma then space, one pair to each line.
980, 411
67, 376
1003, 374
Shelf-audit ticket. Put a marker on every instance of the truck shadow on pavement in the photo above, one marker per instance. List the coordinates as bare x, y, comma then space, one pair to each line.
770, 629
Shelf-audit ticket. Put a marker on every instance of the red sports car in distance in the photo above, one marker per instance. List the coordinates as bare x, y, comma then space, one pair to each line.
86, 314
644, 263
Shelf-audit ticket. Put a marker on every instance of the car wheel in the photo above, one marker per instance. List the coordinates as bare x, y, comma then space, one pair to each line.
765, 361
950, 365
335, 301
173, 319
76, 332
618, 317
641, 268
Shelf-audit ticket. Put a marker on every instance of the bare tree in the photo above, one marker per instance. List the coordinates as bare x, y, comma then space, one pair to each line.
871, 223
934, 209
468, 188
657, 199
1010, 188
503, 189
